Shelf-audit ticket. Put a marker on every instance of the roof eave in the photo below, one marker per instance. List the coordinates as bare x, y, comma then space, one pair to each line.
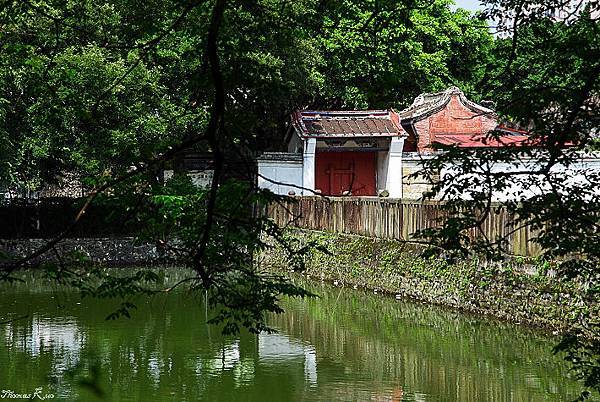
378, 135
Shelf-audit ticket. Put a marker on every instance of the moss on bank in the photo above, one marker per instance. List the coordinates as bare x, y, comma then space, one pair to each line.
515, 292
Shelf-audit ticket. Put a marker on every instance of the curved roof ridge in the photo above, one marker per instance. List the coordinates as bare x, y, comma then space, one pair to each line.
427, 104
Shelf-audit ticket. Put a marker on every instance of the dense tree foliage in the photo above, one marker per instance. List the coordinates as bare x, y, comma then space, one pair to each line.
546, 77
96, 86
382, 54
113, 90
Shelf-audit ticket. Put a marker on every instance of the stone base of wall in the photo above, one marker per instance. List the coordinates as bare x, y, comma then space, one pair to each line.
107, 251
515, 292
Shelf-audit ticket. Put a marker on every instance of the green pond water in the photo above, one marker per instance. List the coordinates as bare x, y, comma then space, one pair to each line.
346, 345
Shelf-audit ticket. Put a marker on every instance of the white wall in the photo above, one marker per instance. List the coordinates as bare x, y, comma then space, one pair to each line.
308, 165
583, 174
394, 172
289, 172
200, 178
382, 170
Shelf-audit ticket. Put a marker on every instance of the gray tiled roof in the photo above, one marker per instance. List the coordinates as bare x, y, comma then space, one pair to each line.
368, 123
377, 123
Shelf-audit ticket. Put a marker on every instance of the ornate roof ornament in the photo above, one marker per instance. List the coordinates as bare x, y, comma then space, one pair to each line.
427, 104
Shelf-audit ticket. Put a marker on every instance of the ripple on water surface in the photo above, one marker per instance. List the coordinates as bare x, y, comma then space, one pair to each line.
345, 345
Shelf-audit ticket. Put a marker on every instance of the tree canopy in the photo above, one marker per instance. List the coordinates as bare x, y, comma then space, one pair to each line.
544, 76
95, 86
114, 89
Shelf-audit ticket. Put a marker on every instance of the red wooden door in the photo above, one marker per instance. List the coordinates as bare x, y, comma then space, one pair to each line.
338, 172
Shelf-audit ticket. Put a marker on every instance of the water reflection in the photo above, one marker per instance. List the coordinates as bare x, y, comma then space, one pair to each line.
277, 348
59, 335
346, 345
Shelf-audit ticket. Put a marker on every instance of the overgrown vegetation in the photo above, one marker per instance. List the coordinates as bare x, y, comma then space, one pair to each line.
114, 90
547, 78
518, 290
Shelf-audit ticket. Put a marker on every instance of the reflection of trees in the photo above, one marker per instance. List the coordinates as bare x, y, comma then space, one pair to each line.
344, 345
165, 348
426, 349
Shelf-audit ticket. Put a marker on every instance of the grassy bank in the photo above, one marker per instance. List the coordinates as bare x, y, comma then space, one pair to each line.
520, 291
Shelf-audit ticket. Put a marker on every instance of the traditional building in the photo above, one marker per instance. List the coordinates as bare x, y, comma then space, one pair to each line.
343, 153
449, 118
371, 152
355, 152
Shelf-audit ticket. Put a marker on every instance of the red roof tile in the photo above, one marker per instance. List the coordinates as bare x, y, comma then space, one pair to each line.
481, 141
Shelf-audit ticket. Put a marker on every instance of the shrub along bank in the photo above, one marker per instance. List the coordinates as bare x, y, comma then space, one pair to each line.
518, 291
